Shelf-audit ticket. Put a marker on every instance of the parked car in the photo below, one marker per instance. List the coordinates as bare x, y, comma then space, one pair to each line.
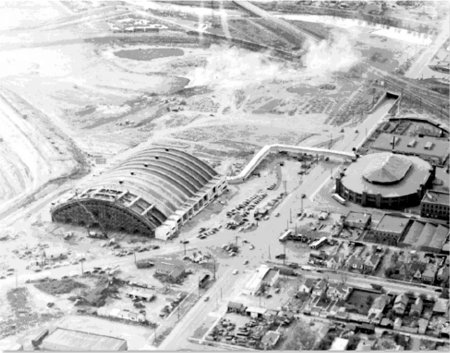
206, 299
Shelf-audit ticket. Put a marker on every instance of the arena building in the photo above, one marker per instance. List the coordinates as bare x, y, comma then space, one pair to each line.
385, 180
152, 193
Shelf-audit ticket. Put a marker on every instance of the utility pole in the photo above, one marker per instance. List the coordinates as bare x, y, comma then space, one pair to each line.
214, 259
285, 186
184, 244
269, 252
287, 224
135, 261
290, 215
237, 236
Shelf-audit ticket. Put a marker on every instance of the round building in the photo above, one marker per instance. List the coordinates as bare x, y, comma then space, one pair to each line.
155, 189
385, 180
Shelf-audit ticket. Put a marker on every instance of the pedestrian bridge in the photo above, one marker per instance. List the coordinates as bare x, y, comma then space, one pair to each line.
266, 150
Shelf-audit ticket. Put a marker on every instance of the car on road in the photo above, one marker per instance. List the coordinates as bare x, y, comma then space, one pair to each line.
251, 247
277, 214
246, 262
235, 272
280, 256
206, 299
184, 241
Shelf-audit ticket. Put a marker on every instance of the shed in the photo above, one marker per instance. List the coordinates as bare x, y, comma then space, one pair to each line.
255, 311
339, 344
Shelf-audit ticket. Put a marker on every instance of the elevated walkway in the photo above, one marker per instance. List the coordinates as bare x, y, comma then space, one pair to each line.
266, 150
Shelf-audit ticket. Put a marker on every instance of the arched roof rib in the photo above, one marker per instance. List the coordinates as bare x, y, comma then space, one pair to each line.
158, 183
187, 157
181, 174
155, 172
193, 163
177, 164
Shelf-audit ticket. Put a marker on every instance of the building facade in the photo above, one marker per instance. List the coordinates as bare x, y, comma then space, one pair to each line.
435, 204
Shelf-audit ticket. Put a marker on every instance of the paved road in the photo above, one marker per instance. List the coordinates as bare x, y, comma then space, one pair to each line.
420, 64
221, 289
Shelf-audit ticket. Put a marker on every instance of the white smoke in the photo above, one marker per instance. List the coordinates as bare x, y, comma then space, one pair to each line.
336, 54
236, 67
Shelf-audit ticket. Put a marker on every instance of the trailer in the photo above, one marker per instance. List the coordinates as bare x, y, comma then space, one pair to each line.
339, 199
286, 235
318, 243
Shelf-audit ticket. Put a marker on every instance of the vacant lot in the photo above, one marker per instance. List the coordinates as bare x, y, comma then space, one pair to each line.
361, 301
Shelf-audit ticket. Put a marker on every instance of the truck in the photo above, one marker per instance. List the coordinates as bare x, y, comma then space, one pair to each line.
203, 281
145, 263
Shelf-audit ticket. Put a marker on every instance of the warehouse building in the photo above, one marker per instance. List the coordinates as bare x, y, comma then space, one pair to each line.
385, 180
426, 236
62, 339
389, 230
435, 204
256, 281
433, 150
153, 193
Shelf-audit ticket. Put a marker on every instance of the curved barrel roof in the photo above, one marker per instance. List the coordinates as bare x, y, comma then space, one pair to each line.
152, 184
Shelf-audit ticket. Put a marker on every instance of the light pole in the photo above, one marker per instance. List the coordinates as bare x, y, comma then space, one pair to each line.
81, 263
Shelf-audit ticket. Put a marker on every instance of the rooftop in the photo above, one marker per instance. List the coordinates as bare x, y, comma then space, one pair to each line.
255, 281
63, 339
438, 197
392, 224
425, 146
417, 174
387, 168
339, 344
357, 217
426, 235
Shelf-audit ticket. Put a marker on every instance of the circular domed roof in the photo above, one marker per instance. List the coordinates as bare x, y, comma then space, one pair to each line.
386, 168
